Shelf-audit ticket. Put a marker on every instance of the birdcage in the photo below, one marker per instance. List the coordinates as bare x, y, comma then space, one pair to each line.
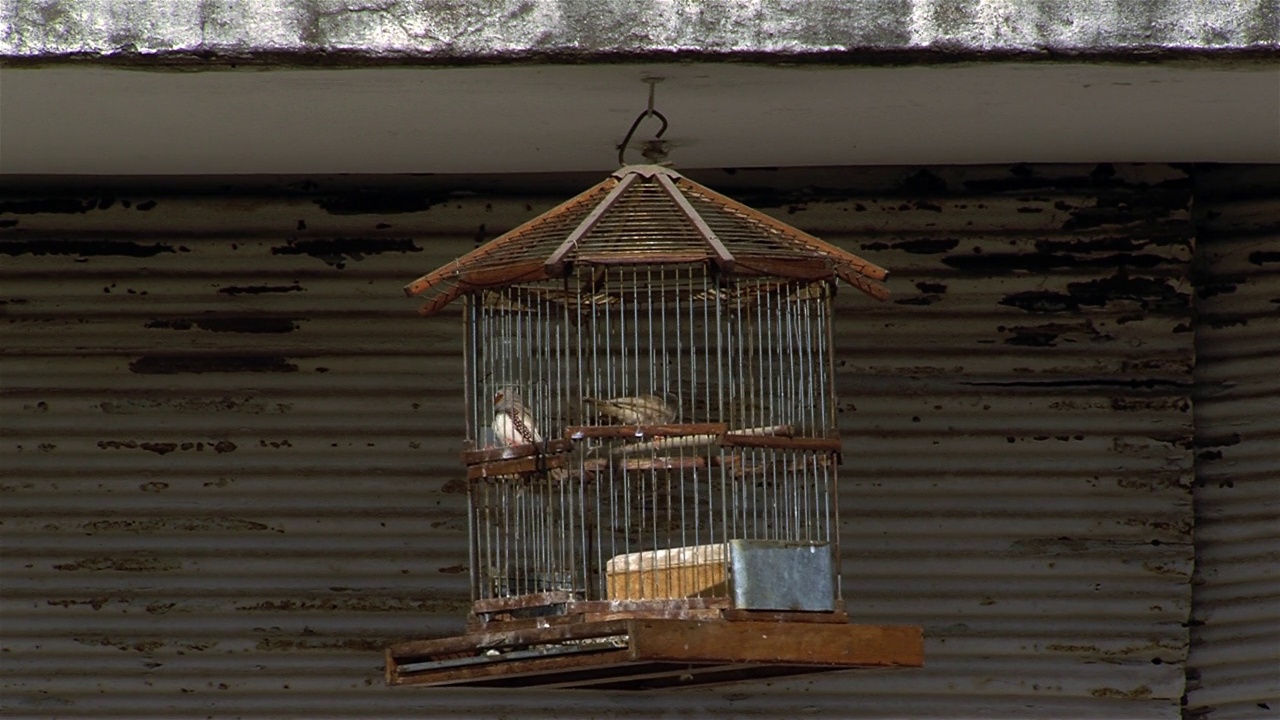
651, 421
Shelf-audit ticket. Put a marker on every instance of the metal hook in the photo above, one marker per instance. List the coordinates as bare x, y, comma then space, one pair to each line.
622, 148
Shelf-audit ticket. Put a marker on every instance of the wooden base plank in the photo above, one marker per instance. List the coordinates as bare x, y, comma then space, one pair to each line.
654, 653
776, 642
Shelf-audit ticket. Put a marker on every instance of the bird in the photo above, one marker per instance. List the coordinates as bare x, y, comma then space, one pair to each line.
513, 424
637, 410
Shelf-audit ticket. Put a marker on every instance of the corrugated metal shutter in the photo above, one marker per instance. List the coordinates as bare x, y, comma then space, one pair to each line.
1234, 665
230, 467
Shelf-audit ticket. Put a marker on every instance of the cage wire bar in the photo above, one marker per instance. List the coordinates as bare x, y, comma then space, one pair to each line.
612, 349
648, 380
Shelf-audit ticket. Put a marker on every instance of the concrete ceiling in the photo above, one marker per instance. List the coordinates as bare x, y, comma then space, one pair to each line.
80, 119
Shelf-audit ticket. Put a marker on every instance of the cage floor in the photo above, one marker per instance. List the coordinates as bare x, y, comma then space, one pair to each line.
649, 654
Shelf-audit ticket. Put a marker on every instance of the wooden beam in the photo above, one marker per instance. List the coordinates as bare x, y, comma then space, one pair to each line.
511, 452
723, 258
863, 267
499, 468
555, 264
455, 268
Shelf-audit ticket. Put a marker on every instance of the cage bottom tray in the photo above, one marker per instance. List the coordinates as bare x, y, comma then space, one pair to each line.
650, 654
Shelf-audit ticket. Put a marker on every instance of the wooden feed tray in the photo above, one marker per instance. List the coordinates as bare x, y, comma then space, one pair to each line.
683, 572
650, 654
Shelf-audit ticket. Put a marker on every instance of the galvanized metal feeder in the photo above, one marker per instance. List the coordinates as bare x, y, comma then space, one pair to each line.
651, 448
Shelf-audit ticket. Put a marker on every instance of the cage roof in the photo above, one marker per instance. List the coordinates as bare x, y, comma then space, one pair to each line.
647, 215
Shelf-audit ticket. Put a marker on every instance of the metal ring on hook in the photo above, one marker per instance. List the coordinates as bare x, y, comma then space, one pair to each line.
622, 148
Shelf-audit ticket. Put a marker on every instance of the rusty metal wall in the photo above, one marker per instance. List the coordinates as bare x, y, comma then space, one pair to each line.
229, 472
1234, 664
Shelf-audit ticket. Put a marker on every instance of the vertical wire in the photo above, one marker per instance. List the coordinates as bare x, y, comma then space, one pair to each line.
693, 394
680, 291
598, 485
468, 400
771, 467
711, 375
653, 390
792, 477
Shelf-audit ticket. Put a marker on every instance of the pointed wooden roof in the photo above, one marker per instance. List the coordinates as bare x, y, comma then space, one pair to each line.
647, 214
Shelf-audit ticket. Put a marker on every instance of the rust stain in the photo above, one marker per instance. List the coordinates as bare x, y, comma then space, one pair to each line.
131, 564
246, 404
357, 604
96, 603
290, 645
142, 646
164, 448
1142, 692
453, 569
180, 524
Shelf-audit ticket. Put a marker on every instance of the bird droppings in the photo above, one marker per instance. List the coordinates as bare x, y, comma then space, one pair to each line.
176, 364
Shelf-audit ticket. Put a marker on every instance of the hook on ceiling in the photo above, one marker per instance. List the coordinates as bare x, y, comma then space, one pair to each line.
655, 150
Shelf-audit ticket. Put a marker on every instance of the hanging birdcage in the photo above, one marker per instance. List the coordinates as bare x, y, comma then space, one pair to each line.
651, 423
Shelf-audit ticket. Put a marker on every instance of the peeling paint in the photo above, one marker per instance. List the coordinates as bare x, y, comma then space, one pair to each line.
175, 364
247, 324
337, 251
1150, 293
164, 448
83, 248
260, 289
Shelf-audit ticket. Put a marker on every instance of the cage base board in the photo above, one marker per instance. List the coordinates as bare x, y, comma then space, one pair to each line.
648, 654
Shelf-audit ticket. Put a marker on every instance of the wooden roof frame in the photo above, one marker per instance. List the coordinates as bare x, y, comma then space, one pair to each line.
814, 259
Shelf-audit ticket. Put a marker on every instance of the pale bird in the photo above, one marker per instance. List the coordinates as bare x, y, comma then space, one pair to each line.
638, 410
513, 424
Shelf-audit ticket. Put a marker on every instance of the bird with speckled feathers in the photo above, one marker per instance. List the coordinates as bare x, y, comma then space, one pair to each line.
637, 410
513, 424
